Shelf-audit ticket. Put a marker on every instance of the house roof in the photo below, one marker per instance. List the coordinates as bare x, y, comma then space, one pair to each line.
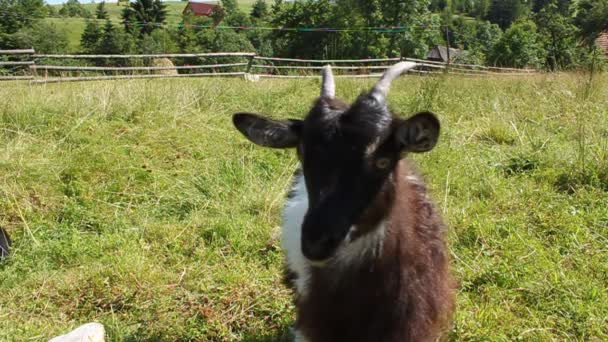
201, 8
602, 41
440, 52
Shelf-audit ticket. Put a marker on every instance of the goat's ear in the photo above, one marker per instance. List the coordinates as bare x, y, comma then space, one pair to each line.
267, 132
418, 133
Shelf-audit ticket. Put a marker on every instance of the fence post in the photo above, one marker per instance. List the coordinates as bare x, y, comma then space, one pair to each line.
447, 45
250, 63
33, 69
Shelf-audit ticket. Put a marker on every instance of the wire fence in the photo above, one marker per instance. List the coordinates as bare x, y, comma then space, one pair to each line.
45, 68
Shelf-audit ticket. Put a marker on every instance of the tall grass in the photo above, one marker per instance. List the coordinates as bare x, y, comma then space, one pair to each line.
136, 204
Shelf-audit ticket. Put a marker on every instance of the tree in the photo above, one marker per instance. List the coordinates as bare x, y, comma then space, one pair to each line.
559, 36
480, 8
229, 6
115, 41
438, 5
89, 41
101, 12
44, 37
591, 18
159, 41
504, 12
144, 15
15, 14
73, 8
519, 46
563, 6
50, 10
259, 9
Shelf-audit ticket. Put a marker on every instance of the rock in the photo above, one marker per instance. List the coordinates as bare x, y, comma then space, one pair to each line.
5, 243
90, 332
164, 62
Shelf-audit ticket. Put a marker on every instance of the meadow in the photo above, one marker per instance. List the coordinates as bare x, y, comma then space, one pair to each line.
137, 204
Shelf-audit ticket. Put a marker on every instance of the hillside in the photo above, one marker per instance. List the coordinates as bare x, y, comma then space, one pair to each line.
74, 27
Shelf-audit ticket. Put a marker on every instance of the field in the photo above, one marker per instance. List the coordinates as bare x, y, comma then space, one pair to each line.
74, 27
136, 204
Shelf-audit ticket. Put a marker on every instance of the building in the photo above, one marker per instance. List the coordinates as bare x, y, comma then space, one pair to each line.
201, 8
602, 42
440, 54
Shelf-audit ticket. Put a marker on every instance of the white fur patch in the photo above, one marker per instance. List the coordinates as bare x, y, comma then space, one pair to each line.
298, 337
372, 147
367, 246
412, 179
293, 216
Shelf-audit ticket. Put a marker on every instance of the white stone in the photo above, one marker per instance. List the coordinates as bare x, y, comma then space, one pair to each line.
90, 332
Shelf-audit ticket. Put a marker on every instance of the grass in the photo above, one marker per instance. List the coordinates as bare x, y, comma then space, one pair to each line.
136, 204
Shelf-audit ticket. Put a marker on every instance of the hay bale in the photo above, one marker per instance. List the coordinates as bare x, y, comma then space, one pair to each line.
163, 62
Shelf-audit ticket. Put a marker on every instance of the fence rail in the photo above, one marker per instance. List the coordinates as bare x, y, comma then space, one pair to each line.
17, 52
43, 68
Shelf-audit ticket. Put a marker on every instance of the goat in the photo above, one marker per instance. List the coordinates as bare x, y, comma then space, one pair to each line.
365, 249
5, 243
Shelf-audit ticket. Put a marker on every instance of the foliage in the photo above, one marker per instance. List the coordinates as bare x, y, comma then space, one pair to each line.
15, 14
42, 36
229, 6
73, 8
505, 12
144, 16
89, 41
223, 40
560, 37
520, 46
591, 17
50, 10
159, 41
101, 12
480, 8
412, 16
259, 9
562, 6
114, 40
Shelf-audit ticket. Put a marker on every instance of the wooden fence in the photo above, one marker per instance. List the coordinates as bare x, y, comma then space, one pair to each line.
44, 68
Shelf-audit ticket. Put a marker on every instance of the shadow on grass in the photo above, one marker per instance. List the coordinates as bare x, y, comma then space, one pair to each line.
283, 335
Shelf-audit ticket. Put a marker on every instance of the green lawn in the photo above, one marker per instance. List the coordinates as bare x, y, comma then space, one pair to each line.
136, 204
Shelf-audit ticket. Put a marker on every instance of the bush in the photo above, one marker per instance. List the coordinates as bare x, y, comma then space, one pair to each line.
73, 8
520, 46
159, 41
44, 37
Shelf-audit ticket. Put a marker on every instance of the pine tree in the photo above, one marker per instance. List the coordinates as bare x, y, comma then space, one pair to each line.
259, 10
145, 15
230, 6
109, 43
101, 12
91, 36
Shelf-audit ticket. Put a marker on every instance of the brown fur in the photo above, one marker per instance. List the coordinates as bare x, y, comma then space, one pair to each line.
404, 294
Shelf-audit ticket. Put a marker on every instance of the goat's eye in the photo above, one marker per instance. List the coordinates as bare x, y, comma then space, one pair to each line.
383, 163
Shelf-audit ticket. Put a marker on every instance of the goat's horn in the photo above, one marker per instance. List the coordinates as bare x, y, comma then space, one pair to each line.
380, 90
328, 87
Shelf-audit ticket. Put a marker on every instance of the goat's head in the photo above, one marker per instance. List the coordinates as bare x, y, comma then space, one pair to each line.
347, 154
